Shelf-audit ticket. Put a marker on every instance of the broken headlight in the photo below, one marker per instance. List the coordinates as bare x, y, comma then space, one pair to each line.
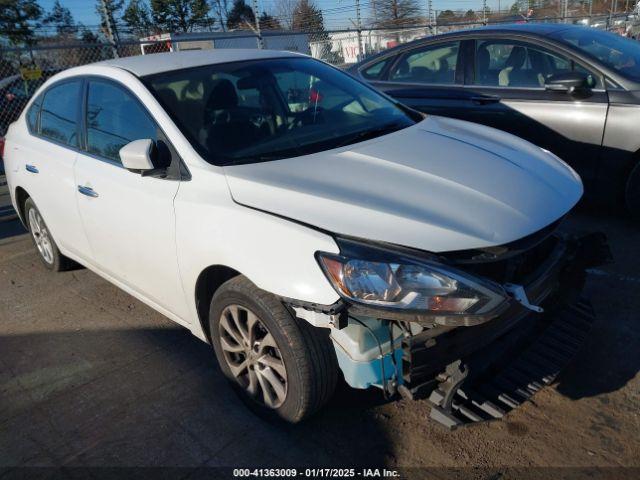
382, 278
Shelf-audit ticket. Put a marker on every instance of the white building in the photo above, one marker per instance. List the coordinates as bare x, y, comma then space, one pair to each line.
272, 40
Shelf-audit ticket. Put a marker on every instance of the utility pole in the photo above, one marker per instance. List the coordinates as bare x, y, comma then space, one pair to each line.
359, 29
258, 33
590, 10
615, 7
484, 12
110, 28
430, 12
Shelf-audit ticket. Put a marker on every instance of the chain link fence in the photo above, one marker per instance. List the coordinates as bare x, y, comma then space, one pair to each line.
23, 70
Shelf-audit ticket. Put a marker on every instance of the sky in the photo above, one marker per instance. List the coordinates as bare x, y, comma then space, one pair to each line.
337, 13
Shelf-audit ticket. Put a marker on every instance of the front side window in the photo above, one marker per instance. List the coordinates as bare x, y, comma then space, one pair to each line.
435, 64
114, 118
59, 115
506, 63
270, 109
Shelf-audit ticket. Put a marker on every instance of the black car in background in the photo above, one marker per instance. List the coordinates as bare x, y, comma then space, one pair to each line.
572, 90
15, 92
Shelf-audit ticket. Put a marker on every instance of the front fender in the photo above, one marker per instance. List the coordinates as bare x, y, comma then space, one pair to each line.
274, 253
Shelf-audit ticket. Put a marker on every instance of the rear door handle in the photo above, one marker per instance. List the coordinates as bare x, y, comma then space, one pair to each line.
31, 168
484, 100
88, 191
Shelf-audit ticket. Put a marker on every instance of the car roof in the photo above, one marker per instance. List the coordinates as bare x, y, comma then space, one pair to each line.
150, 64
534, 29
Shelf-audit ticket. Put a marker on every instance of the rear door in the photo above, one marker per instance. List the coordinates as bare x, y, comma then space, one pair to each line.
428, 78
49, 157
508, 86
128, 218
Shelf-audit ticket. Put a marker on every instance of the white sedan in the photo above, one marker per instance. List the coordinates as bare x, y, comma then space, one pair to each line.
290, 215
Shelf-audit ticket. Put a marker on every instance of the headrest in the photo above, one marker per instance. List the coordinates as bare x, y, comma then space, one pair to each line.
223, 96
483, 59
517, 57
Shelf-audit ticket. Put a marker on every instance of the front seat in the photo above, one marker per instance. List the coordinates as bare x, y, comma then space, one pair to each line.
514, 63
483, 62
403, 69
226, 125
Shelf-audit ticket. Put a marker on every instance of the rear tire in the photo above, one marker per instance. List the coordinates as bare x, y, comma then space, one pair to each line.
43, 241
281, 366
632, 193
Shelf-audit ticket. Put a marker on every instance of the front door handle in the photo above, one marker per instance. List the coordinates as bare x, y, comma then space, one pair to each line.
485, 99
88, 191
31, 168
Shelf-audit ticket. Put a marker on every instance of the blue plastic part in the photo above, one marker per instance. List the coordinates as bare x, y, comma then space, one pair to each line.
367, 374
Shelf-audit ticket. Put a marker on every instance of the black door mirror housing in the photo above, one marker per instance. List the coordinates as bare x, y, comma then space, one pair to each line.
569, 82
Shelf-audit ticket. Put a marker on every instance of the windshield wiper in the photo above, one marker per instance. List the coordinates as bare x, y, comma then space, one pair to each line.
372, 133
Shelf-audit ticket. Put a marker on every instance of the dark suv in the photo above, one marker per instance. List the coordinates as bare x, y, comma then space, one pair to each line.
572, 90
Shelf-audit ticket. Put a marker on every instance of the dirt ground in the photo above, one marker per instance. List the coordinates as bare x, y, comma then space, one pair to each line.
89, 376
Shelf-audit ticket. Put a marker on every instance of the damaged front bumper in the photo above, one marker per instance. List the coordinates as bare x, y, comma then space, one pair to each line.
554, 284
426, 356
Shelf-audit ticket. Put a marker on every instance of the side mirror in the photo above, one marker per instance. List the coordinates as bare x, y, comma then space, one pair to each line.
137, 155
569, 82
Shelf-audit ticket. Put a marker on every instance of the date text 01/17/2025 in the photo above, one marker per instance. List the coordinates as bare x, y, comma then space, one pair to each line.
315, 473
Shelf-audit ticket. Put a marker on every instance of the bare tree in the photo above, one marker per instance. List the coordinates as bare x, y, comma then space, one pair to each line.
285, 11
221, 10
397, 13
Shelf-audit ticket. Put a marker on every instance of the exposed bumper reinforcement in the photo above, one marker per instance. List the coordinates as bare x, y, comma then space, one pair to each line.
515, 378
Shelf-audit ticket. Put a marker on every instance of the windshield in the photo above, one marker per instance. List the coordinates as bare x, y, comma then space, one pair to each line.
271, 109
616, 52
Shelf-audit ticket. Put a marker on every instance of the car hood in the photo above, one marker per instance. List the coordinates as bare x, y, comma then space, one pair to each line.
440, 185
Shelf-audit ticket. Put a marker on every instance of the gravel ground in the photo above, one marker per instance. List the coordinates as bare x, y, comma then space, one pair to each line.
89, 376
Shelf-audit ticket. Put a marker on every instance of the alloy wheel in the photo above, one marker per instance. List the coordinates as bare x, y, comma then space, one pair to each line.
252, 355
40, 235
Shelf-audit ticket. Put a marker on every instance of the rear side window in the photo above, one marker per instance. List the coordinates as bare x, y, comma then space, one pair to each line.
435, 64
33, 113
114, 118
59, 115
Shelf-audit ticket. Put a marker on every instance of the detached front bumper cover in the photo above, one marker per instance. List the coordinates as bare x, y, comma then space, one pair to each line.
480, 373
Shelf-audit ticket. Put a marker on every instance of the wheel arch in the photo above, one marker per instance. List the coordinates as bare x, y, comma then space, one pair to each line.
208, 282
21, 196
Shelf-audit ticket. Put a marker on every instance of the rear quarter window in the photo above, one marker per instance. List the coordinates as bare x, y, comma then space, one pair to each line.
374, 72
33, 113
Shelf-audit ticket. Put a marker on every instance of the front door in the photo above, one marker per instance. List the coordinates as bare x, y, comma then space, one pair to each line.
129, 218
508, 86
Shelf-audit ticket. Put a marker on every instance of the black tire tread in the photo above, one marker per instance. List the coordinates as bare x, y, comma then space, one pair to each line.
311, 347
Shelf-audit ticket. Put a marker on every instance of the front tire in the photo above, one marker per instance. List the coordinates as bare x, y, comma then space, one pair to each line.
45, 244
281, 366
